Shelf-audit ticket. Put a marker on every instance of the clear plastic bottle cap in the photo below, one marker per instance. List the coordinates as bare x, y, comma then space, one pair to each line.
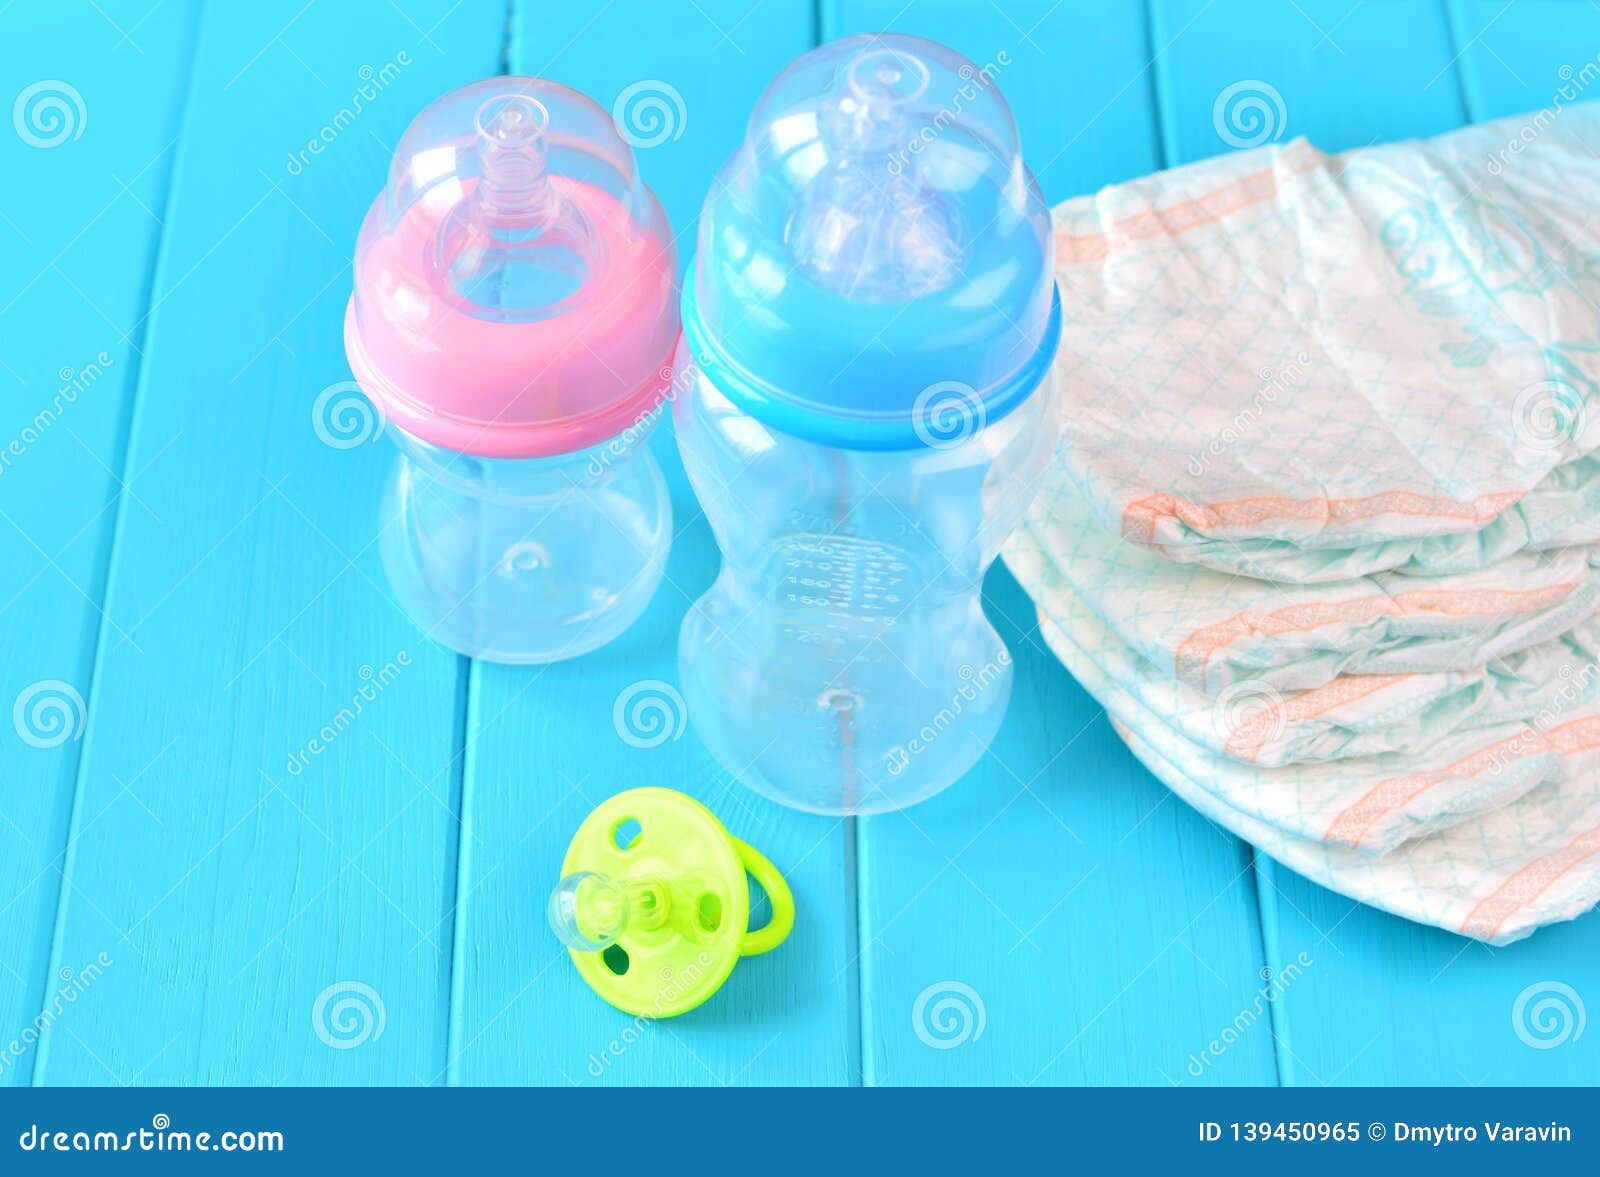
515, 283
875, 245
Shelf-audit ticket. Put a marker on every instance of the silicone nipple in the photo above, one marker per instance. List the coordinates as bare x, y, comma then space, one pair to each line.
869, 226
590, 911
511, 145
515, 249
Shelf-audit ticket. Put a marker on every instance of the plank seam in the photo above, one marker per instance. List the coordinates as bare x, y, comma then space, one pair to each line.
467, 671
1263, 881
855, 894
508, 37
1450, 12
466, 708
1166, 144
1167, 133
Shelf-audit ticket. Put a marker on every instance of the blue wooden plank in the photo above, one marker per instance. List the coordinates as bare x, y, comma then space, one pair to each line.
544, 748
1341, 74
87, 163
1055, 899
1390, 1002
1525, 58
291, 741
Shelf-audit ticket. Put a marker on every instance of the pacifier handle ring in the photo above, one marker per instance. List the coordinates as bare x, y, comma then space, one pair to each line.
776, 930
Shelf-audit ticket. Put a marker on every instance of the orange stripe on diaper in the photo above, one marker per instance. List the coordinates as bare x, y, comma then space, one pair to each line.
1173, 220
1527, 884
1576, 735
1195, 651
1141, 519
1246, 741
1355, 822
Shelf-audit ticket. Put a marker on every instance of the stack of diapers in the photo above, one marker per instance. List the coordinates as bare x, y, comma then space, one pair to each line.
1323, 531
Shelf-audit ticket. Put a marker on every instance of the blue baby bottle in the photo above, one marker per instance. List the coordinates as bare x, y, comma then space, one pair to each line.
864, 403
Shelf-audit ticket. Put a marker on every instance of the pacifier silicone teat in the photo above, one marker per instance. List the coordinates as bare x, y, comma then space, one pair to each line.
654, 901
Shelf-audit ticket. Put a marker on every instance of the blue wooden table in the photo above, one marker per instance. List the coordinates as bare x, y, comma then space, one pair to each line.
190, 593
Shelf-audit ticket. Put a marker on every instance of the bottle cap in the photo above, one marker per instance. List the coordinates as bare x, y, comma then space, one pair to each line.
515, 282
875, 265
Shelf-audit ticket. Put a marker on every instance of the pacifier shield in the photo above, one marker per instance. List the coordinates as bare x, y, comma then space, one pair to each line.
689, 901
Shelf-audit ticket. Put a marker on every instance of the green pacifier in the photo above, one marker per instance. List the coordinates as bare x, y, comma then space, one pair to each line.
653, 902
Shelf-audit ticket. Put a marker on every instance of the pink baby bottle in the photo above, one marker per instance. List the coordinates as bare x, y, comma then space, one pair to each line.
513, 320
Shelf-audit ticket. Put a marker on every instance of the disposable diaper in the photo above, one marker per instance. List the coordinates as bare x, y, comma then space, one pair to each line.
1496, 877
1212, 630
1367, 804
1311, 367
1322, 533
1354, 715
